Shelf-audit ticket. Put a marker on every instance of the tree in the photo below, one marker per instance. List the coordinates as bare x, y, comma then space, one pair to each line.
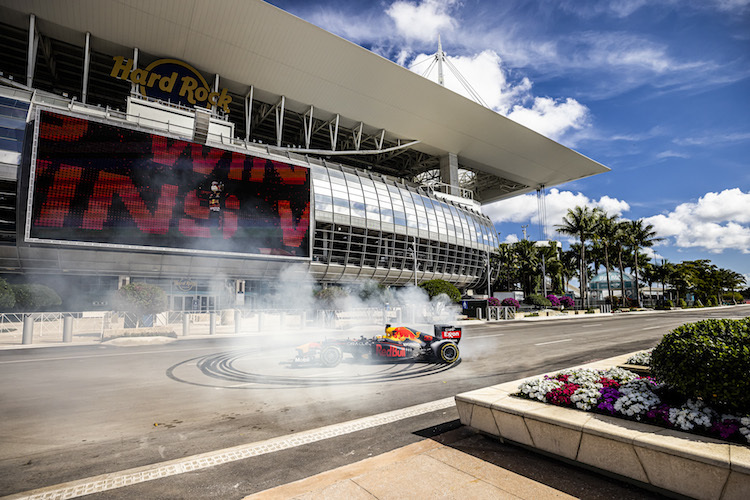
506, 265
605, 232
437, 287
35, 297
141, 299
527, 256
568, 266
7, 297
639, 236
579, 222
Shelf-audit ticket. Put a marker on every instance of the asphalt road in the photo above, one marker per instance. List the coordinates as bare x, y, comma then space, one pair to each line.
74, 412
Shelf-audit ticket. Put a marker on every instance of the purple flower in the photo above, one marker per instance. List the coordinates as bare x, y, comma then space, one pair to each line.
493, 301
554, 300
566, 301
510, 302
607, 400
725, 427
660, 412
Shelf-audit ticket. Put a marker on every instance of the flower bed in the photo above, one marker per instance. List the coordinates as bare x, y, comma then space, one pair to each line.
624, 394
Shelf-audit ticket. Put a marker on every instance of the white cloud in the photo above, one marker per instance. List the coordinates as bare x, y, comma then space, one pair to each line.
487, 77
716, 222
524, 208
422, 21
550, 117
671, 154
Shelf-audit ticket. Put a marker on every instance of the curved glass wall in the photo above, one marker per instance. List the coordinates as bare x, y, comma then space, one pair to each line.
367, 225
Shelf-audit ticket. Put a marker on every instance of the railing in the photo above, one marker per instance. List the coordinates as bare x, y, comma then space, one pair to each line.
98, 326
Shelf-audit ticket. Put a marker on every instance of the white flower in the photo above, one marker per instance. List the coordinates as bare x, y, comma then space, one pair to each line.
745, 427
637, 398
586, 397
538, 388
640, 358
691, 414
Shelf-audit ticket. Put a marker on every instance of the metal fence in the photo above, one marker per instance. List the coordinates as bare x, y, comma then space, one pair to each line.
97, 326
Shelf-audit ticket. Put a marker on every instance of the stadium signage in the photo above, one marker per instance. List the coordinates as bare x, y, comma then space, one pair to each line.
96, 184
171, 79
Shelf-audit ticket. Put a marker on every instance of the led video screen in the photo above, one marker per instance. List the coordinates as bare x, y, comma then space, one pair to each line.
95, 183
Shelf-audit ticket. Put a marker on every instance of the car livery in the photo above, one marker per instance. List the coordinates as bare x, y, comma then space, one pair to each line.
398, 343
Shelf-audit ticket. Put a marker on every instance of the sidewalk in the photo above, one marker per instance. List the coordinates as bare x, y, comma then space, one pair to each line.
459, 464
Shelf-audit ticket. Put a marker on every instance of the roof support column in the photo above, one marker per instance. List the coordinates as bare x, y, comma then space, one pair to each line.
449, 172
31, 56
249, 113
86, 64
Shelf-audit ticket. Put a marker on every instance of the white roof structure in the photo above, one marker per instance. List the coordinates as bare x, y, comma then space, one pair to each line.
249, 42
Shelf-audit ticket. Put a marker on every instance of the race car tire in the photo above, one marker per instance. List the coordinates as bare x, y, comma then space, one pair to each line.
446, 351
331, 356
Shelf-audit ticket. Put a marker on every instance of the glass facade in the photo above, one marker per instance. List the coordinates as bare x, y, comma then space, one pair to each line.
371, 226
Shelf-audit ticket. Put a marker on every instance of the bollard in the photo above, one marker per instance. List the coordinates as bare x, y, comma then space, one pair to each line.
260, 321
68, 328
237, 320
185, 324
212, 323
303, 319
28, 329
282, 319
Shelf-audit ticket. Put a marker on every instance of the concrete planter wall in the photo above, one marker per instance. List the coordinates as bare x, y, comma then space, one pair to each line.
666, 459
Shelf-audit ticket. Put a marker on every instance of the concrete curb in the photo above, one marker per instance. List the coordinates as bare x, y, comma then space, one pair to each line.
665, 459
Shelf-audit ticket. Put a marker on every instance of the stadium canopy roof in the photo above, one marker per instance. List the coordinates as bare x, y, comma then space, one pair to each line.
249, 42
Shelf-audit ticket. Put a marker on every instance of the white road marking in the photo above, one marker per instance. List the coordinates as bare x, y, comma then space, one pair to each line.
483, 336
110, 481
554, 342
590, 326
652, 327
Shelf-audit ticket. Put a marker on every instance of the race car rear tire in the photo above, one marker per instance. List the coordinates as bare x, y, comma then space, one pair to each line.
446, 351
331, 356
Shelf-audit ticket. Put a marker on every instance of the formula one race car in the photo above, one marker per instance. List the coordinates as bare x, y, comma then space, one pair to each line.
398, 343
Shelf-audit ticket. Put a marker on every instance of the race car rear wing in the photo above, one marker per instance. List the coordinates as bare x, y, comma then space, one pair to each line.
448, 332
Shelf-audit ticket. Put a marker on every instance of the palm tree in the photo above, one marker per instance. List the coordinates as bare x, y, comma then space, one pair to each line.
664, 273
605, 232
527, 255
569, 264
579, 221
640, 236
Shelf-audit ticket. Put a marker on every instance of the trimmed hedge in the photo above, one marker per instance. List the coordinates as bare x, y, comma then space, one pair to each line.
436, 287
709, 359
537, 300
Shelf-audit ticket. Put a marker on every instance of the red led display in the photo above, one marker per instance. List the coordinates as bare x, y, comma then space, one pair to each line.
98, 183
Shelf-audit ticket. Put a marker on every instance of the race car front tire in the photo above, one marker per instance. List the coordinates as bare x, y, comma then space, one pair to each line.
446, 351
331, 356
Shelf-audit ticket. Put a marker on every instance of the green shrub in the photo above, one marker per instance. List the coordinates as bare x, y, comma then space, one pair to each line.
436, 287
537, 300
712, 302
35, 297
7, 297
683, 304
328, 296
710, 360
670, 304
141, 298
733, 298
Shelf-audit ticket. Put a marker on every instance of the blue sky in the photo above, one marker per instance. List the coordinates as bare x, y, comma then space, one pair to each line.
657, 90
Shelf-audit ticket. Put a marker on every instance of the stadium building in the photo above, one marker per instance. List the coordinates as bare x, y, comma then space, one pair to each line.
206, 146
